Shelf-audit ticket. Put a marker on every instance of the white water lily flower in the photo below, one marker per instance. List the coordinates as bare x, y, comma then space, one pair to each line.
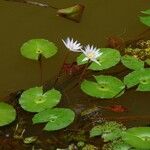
72, 45
91, 53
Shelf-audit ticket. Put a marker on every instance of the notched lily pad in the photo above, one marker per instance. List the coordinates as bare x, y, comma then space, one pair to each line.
32, 49
57, 118
105, 87
34, 100
132, 62
7, 114
140, 78
138, 137
73, 13
109, 58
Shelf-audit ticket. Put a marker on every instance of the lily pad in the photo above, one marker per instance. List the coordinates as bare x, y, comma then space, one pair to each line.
109, 58
73, 13
57, 118
145, 20
140, 78
32, 49
132, 62
105, 87
147, 12
34, 100
138, 137
7, 114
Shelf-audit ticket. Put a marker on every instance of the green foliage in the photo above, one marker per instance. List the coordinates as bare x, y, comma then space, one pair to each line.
105, 87
108, 59
138, 137
32, 49
57, 118
34, 100
109, 131
132, 62
140, 78
146, 19
7, 114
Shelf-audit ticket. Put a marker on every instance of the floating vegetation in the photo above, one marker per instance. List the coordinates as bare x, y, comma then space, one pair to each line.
57, 118
109, 131
105, 87
34, 100
145, 19
140, 78
138, 137
7, 114
35, 48
29, 140
109, 58
132, 63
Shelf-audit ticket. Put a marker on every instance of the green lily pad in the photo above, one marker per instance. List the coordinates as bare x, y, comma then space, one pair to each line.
32, 49
57, 118
145, 20
105, 87
138, 137
147, 12
7, 114
140, 78
33, 99
132, 62
108, 59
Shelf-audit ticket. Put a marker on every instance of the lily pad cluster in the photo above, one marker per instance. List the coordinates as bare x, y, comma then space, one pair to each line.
145, 19
35, 100
120, 138
104, 87
7, 114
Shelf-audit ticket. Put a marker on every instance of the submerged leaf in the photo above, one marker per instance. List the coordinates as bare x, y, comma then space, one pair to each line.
57, 118
138, 137
105, 87
109, 58
7, 114
73, 13
33, 99
32, 49
140, 78
132, 62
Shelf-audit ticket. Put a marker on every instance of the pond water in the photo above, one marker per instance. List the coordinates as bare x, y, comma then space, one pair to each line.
101, 19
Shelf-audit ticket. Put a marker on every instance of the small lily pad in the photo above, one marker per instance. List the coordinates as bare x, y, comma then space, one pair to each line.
32, 49
7, 114
140, 78
57, 118
147, 12
145, 20
105, 87
109, 58
73, 13
132, 62
34, 100
138, 137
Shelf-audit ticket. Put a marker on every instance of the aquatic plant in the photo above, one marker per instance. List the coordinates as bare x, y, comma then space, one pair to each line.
132, 62
34, 100
109, 58
140, 78
57, 118
109, 131
145, 19
7, 114
104, 87
138, 137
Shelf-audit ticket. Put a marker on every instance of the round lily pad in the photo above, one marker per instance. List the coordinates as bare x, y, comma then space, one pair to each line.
105, 87
32, 49
7, 114
140, 78
138, 137
132, 62
57, 118
34, 100
109, 58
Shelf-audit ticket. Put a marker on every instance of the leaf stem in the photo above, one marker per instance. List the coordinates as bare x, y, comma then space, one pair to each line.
41, 69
